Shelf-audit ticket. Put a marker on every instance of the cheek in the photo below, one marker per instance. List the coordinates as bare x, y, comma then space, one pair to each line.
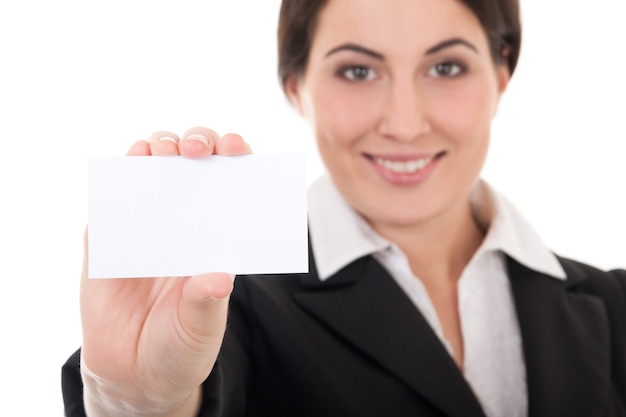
342, 116
464, 114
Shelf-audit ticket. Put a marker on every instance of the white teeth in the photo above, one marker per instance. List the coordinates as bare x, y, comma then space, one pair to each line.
404, 167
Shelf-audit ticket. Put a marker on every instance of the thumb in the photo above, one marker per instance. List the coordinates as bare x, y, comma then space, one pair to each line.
204, 306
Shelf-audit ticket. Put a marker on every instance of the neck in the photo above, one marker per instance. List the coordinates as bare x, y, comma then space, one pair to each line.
440, 248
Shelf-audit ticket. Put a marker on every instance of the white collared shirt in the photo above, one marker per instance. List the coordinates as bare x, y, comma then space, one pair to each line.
493, 359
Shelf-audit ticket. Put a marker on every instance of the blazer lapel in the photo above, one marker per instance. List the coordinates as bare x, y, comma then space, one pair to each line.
365, 306
566, 339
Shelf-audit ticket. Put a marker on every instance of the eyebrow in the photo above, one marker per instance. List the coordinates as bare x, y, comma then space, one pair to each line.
377, 55
449, 43
355, 48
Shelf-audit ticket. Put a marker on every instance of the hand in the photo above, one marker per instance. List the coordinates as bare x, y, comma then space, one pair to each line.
153, 341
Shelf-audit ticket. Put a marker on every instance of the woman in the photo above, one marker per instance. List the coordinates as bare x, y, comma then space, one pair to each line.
427, 295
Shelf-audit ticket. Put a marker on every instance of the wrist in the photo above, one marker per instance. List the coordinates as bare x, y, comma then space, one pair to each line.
104, 398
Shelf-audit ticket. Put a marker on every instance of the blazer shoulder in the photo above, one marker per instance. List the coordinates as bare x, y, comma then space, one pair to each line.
588, 278
620, 275
610, 288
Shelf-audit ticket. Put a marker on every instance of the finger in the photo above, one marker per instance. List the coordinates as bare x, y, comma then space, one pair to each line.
139, 148
232, 144
163, 144
198, 142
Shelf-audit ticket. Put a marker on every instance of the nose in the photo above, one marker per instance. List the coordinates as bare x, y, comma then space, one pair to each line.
404, 114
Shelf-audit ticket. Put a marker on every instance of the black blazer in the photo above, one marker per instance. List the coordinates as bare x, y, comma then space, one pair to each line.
355, 345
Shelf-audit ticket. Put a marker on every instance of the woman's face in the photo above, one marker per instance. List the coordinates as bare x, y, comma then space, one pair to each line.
400, 94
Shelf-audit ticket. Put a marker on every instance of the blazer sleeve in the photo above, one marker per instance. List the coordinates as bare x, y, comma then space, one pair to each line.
72, 386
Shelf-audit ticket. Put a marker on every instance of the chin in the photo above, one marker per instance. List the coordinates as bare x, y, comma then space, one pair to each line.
396, 218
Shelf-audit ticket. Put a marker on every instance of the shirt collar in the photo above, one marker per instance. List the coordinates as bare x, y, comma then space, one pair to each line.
339, 235
508, 231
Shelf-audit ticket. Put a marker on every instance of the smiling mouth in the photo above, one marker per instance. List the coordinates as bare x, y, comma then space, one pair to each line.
404, 166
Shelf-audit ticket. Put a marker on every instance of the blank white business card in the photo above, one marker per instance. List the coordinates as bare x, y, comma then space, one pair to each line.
174, 216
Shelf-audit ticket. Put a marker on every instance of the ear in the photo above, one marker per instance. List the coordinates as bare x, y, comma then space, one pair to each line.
503, 76
502, 71
292, 90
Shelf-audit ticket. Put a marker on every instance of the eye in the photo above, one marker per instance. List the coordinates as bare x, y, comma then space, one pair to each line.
446, 70
358, 73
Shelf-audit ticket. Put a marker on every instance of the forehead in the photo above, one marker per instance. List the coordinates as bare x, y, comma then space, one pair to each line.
396, 24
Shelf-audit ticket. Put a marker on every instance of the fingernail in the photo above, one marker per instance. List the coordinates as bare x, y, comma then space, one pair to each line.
168, 139
198, 137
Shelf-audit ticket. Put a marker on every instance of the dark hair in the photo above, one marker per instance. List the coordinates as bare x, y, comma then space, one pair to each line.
298, 20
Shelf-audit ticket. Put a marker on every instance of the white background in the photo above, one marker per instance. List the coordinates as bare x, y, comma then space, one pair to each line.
85, 78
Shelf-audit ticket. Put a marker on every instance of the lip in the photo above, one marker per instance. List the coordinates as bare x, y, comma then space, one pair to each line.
409, 178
